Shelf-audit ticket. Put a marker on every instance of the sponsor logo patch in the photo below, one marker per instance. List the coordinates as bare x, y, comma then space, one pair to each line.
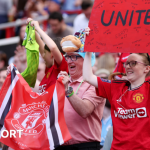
130, 113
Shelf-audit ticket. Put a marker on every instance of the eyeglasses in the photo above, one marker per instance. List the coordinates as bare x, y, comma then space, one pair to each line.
132, 63
72, 57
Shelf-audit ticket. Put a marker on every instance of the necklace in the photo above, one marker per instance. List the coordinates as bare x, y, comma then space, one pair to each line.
119, 100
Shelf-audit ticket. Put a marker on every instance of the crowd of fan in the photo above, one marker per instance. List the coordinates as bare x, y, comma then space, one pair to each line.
55, 26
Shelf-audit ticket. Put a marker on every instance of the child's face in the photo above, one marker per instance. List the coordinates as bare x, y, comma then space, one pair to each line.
48, 58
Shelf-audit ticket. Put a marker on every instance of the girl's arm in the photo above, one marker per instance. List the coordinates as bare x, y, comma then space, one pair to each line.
88, 75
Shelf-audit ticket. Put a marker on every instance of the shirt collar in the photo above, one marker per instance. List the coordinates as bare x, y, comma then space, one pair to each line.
78, 80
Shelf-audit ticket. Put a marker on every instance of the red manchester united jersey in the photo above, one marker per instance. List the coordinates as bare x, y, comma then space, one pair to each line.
51, 75
130, 113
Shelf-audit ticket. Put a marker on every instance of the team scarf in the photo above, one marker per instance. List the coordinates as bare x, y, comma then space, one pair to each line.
40, 116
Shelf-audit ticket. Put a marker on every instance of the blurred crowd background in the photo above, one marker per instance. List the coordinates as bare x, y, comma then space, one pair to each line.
58, 18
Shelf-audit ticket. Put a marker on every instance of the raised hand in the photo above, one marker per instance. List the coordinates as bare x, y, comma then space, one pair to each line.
65, 80
33, 23
87, 32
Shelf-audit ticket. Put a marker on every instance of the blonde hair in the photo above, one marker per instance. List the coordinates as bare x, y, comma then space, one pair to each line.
106, 61
146, 60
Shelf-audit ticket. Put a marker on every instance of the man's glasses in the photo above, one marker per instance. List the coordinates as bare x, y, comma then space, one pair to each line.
72, 57
132, 63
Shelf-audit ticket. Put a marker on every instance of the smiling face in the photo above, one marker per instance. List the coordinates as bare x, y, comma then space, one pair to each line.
139, 71
75, 67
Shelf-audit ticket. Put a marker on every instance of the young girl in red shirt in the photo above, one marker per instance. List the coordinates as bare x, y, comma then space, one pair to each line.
129, 102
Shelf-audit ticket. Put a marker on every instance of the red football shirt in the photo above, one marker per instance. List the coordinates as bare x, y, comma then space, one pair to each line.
130, 113
51, 75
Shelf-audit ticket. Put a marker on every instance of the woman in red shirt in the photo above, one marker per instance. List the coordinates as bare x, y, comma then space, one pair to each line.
129, 102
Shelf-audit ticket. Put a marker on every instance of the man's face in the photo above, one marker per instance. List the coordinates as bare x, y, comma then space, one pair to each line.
56, 26
2, 77
75, 67
87, 12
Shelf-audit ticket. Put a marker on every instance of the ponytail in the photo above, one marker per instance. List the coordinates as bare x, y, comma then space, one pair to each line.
112, 76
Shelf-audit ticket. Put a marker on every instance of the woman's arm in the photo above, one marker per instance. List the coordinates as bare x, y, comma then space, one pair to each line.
88, 75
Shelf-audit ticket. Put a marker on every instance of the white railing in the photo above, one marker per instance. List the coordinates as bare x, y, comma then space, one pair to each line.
20, 22
9, 41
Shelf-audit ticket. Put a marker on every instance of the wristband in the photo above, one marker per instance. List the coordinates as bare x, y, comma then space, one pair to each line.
70, 94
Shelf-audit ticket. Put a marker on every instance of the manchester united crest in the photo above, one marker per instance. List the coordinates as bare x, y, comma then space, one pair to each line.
28, 118
138, 98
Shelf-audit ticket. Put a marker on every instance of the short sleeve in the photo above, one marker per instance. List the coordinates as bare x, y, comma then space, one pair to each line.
90, 95
63, 66
104, 88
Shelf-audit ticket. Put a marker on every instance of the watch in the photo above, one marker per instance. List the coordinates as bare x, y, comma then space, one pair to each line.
69, 90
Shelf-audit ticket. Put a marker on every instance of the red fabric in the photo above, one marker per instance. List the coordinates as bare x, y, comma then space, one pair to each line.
119, 26
31, 112
9, 32
119, 67
130, 113
45, 25
51, 75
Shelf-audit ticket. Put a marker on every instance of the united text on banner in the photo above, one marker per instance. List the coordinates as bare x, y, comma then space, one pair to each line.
119, 26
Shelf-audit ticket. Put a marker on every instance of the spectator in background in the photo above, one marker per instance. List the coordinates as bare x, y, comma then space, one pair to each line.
3, 60
108, 139
20, 59
5, 6
106, 121
71, 5
54, 6
106, 61
103, 73
3, 75
21, 34
82, 20
20, 4
35, 8
58, 28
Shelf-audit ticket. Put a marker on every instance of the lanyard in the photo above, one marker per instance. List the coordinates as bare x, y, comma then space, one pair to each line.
78, 87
